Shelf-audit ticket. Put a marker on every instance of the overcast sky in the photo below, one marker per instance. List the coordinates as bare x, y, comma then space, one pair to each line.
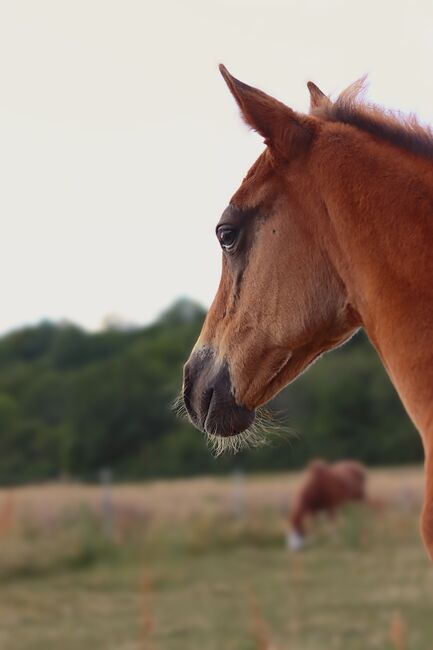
120, 145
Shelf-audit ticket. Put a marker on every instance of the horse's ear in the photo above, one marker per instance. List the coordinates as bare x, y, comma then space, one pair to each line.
282, 128
318, 99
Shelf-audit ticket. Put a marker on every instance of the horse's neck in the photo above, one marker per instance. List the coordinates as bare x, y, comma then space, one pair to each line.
380, 238
381, 241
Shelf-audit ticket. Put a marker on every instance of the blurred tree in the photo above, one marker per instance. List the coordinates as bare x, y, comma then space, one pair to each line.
72, 402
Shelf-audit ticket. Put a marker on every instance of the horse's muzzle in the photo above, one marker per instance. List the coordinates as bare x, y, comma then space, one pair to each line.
209, 399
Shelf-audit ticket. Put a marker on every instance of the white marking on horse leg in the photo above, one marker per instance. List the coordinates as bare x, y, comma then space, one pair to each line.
295, 541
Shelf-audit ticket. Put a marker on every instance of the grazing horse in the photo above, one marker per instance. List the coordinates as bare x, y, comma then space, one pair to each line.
331, 230
325, 488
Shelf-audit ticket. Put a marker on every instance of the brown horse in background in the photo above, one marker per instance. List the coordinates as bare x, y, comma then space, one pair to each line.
331, 230
325, 489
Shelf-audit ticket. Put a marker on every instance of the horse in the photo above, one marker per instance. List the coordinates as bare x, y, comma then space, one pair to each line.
326, 488
331, 230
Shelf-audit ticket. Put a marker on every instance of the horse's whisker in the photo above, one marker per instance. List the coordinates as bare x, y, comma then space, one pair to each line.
264, 429
178, 407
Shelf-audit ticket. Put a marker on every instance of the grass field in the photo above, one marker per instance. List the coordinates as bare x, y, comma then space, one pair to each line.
201, 564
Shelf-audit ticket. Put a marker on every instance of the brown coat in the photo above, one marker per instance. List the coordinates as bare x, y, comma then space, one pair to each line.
331, 230
325, 488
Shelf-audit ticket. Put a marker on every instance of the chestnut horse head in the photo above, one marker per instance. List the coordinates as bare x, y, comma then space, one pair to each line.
280, 303
331, 229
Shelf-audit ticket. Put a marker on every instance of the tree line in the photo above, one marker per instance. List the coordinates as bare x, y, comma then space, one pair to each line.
73, 403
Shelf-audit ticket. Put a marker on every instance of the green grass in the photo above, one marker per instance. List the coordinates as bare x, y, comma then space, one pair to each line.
217, 583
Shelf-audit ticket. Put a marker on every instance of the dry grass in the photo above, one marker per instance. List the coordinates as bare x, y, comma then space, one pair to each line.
397, 632
180, 500
201, 565
147, 619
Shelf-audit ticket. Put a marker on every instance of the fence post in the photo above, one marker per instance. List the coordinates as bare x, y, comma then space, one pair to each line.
238, 494
107, 505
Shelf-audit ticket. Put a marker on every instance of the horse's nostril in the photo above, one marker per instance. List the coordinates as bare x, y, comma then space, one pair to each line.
198, 386
206, 404
208, 397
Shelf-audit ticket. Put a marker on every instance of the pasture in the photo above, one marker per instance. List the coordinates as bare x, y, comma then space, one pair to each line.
201, 564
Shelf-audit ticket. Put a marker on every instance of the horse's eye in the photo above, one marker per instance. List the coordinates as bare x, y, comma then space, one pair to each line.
227, 237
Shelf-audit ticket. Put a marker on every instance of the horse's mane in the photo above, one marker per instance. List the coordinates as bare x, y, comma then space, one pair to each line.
401, 130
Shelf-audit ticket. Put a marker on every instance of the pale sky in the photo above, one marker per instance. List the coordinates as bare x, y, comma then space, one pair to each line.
120, 144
